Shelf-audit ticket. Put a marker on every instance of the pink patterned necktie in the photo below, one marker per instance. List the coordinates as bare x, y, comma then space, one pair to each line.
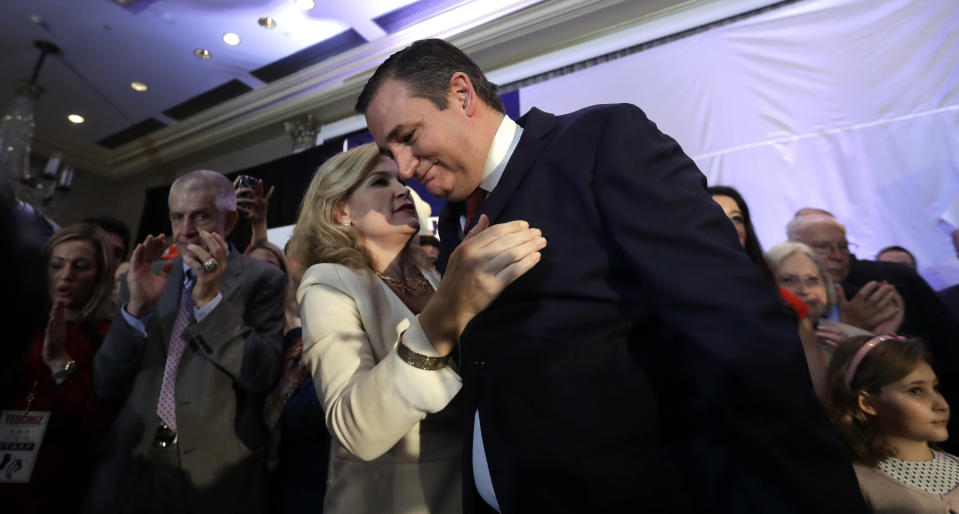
166, 405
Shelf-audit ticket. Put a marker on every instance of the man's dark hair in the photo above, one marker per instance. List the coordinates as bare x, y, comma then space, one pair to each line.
425, 67
895, 248
113, 226
429, 241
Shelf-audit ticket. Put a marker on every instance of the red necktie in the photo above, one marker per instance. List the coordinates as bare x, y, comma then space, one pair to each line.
473, 204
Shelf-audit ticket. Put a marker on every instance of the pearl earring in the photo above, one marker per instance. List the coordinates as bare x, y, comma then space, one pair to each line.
345, 223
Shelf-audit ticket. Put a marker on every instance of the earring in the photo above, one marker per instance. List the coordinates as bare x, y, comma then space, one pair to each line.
345, 223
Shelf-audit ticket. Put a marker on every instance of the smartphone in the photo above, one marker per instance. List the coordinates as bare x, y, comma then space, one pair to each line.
247, 181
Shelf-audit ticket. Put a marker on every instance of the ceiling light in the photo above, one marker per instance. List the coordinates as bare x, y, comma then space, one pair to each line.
231, 38
306, 5
138, 86
267, 22
75, 118
202, 53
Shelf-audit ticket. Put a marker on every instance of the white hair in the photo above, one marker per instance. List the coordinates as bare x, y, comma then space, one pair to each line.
798, 223
211, 182
777, 254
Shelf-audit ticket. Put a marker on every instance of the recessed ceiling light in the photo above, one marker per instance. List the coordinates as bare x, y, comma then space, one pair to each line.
75, 118
138, 86
202, 53
306, 5
267, 22
231, 38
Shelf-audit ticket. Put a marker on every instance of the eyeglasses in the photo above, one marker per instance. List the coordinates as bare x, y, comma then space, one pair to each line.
826, 247
790, 281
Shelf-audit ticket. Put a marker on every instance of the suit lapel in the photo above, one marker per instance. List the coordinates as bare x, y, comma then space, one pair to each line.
536, 126
234, 267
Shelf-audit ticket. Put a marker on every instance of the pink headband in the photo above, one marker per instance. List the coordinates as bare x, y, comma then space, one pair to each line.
872, 343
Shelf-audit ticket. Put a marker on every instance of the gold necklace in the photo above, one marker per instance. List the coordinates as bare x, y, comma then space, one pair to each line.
419, 287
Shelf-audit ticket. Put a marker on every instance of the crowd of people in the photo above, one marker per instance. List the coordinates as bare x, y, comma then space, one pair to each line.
593, 330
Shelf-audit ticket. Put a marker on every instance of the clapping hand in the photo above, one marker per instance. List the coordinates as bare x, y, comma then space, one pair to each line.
55, 354
489, 259
213, 247
145, 285
877, 306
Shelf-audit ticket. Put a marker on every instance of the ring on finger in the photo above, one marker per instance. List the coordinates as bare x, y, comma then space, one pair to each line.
210, 265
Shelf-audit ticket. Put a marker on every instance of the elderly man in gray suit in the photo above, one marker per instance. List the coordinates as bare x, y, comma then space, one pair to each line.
191, 354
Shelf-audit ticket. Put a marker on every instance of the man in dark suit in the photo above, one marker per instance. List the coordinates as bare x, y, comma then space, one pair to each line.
643, 364
192, 354
950, 295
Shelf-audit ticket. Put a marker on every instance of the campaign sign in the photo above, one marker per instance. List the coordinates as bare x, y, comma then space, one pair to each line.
20, 435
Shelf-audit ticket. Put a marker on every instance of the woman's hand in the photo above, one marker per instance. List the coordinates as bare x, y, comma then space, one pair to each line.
55, 354
251, 203
488, 260
830, 336
815, 358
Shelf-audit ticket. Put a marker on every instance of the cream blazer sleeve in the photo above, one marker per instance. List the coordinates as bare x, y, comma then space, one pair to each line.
351, 326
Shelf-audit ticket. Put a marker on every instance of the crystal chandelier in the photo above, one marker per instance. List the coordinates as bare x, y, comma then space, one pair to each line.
16, 135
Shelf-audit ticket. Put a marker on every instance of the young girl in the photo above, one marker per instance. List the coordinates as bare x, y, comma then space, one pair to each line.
884, 400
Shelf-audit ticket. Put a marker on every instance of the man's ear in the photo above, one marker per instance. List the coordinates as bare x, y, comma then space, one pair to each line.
867, 403
230, 222
463, 94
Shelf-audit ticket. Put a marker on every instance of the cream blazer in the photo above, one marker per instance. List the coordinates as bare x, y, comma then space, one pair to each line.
396, 445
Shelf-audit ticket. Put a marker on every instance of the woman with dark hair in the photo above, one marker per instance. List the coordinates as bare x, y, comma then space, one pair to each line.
54, 380
738, 212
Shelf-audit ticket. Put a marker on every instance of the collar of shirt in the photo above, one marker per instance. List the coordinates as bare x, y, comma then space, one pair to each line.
504, 143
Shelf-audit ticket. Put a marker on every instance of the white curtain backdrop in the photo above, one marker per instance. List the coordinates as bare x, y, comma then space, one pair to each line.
847, 105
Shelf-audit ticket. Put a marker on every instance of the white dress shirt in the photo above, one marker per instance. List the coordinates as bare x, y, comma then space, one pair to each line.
504, 143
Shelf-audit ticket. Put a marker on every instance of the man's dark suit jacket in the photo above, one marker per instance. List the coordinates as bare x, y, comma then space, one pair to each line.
644, 365
230, 362
950, 298
926, 317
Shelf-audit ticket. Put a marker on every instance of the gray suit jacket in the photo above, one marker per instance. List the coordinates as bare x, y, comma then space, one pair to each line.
231, 360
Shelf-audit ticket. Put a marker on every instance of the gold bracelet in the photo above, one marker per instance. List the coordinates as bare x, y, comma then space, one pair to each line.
418, 360
68, 371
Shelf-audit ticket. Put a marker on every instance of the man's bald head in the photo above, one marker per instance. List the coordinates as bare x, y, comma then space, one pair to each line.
824, 234
806, 211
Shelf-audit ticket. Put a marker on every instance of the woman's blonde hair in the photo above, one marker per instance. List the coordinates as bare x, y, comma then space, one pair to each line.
95, 307
317, 236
